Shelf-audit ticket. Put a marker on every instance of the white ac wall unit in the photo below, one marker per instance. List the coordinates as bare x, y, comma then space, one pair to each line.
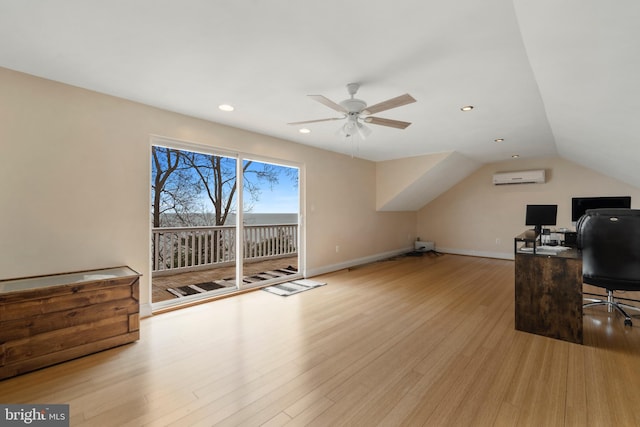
519, 177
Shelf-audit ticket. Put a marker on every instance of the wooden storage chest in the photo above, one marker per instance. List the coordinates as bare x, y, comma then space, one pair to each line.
51, 319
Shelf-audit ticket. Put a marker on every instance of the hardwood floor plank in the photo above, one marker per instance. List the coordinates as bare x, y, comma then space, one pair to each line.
507, 416
336, 414
305, 402
486, 391
546, 392
576, 414
441, 396
310, 410
279, 420
492, 404
406, 341
382, 399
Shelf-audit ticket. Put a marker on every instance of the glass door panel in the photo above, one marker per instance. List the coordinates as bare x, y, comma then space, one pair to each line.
270, 219
193, 210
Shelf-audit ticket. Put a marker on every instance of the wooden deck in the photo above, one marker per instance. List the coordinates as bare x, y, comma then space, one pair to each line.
162, 283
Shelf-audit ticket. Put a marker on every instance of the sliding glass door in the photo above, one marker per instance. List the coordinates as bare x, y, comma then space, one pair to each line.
202, 243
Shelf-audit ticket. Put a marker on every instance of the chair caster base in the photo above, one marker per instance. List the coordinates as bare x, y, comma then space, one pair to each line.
612, 305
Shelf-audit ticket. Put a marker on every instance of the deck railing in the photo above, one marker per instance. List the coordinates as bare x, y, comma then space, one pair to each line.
179, 249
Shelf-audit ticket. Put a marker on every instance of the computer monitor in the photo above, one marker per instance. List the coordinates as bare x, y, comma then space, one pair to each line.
579, 205
541, 215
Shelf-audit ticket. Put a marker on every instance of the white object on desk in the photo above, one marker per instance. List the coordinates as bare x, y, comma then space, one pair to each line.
545, 250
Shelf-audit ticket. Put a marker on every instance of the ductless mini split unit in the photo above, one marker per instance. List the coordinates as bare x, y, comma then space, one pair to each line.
519, 177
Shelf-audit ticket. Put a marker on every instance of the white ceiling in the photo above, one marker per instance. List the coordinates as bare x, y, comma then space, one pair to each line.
550, 77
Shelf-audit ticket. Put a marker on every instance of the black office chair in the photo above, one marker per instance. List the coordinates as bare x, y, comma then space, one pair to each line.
610, 243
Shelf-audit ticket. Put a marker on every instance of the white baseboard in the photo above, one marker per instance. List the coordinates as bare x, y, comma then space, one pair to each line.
484, 254
145, 310
373, 258
355, 262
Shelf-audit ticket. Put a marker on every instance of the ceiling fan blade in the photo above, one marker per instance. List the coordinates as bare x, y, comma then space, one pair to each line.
329, 103
398, 101
316, 121
387, 122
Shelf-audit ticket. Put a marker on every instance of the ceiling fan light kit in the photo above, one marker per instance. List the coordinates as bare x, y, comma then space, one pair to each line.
356, 112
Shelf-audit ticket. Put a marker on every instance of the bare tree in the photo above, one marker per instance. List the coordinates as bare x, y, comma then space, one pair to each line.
173, 187
189, 186
219, 181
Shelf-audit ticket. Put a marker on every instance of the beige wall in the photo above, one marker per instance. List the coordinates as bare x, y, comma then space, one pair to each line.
74, 186
476, 217
74, 183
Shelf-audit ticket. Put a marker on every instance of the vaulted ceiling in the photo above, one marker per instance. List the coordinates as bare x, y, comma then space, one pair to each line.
548, 77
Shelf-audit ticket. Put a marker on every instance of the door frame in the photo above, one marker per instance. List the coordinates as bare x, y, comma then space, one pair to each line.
240, 157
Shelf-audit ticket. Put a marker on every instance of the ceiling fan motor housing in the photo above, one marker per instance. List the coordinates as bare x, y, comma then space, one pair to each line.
354, 105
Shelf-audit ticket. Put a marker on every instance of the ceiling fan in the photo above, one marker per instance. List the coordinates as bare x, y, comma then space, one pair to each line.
356, 112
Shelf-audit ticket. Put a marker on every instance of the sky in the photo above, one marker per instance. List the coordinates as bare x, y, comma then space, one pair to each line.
282, 198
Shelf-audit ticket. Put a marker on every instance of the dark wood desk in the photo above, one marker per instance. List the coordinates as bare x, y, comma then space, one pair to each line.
548, 293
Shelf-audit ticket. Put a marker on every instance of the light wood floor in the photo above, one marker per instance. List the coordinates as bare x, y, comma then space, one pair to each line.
411, 341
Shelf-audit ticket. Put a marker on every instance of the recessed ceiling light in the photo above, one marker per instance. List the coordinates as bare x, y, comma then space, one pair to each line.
467, 108
498, 140
226, 107
515, 156
304, 130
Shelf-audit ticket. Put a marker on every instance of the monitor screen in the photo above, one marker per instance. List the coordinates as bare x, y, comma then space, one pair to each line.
539, 215
579, 205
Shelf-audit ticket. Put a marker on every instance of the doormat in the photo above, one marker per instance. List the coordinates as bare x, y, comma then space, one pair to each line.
293, 287
200, 288
184, 291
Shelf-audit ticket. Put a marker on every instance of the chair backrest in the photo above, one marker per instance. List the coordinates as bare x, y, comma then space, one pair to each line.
610, 243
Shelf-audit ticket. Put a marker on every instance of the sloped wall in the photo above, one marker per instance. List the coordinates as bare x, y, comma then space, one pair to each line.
476, 217
409, 184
